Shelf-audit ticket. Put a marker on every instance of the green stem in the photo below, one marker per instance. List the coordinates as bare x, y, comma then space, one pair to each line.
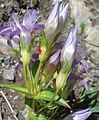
30, 79
50, 118
24, 72
49, 83
49, 103
33, 106
37, 75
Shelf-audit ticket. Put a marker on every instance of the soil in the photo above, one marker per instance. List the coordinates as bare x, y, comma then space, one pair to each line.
7, 7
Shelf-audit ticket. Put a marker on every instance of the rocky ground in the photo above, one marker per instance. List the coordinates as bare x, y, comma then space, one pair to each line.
88, 13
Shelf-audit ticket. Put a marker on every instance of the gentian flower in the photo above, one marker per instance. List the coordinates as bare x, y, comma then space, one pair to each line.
79, 115
56, 21
69, 48
79, 66
52, 63
24, 29
67, 57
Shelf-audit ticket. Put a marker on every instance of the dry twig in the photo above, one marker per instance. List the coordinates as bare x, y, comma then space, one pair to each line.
12, 111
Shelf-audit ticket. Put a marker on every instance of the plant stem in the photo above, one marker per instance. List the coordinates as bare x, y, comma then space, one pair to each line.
24, 73
53, 114
37, 76
29, 79
33, 106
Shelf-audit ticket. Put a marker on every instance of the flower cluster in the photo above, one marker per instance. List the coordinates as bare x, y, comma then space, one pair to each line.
51, 71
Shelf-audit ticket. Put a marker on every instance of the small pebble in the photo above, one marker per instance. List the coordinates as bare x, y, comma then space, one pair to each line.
9, 74
2, 5
7, 60
23, 11
16, 97
9, 118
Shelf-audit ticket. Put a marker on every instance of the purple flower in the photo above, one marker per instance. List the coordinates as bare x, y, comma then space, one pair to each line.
56, 21
52, 63
84, 82
17, 29
69, 49
79, 67
79, 115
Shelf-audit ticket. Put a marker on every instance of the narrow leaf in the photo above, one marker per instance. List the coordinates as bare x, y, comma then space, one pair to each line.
17, 88
46, 95
95, 108
42, 117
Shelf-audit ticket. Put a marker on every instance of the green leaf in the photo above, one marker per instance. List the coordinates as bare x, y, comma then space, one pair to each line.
95, 108
42, 117
32, 116
17, 88
63, 103
48, 95
17, 53
82, 27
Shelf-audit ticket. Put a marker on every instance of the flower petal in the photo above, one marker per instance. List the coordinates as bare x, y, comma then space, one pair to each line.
5, 31
30, 19
81, 114
16, 20
84, 82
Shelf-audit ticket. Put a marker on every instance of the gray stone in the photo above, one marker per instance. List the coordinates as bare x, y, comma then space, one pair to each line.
7, 60
4, 48
16, 97
0, 116
2, 6
80, 13
25, 114
9, 74
9, 118
54, 1
92, 42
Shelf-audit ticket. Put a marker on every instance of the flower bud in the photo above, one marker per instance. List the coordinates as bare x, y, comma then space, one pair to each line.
56, 21
25, 57
68, 50
60, 80
52, 63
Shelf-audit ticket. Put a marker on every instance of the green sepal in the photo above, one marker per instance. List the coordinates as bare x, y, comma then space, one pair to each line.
44, 41
22, 44
44, 47
30, 45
